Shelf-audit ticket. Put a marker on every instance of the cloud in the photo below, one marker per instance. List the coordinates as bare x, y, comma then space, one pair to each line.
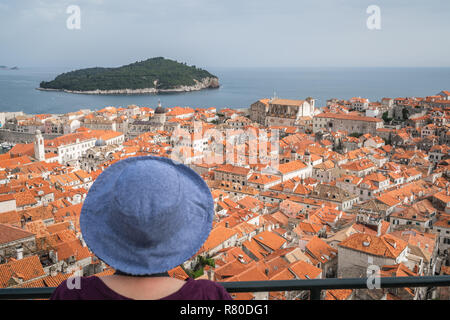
231, 32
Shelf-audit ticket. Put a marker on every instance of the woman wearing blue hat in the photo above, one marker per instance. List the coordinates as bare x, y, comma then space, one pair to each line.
144, 216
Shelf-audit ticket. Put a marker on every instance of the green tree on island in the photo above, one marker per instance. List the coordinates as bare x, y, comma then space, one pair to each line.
158, 73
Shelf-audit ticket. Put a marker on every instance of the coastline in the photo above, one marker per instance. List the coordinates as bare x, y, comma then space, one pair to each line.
206, 83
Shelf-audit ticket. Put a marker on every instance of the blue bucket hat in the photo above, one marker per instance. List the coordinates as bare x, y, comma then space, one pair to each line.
147, 215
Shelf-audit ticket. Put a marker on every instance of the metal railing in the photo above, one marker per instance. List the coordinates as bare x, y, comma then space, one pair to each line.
314, 286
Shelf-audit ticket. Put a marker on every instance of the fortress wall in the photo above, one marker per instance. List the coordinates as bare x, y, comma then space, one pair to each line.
22, 137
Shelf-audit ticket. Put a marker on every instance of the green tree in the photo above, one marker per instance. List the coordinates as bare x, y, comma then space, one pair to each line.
386, 118
355, 134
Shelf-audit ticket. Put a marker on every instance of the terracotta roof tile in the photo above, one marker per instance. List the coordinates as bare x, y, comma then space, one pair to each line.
10, 234
25, 269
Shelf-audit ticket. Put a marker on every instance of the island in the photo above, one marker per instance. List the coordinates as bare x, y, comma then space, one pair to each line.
152, 76
6, 68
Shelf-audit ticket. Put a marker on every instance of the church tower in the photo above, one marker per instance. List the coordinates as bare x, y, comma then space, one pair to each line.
312, 106
39, 152
160, 114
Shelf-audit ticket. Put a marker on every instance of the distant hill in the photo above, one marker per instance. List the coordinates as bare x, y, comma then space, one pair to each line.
6, 68
149, 76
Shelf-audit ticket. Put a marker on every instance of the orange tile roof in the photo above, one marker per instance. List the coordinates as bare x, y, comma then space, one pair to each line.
292, 166
25, 269
347, 117
270, 240
10, 217
178, 273
258, 178
37, 227
384, 246
231, 269
339, 294
256, 250
72, 248
443, 221
287, 102
320, 250
58, 227
22, 149
216, 237
229, 168
55, 281
307, 227
15, 162
304, 270
250, 274
24, 198
9, 234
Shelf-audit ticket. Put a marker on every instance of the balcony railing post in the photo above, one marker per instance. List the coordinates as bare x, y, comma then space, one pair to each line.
315, 294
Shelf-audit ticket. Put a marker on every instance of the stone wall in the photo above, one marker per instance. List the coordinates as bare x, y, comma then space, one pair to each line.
354, 264
22, 137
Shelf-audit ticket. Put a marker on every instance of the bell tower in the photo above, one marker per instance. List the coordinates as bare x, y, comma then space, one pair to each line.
39, 152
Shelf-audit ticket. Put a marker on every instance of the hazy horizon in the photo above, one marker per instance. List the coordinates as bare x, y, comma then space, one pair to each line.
232, 34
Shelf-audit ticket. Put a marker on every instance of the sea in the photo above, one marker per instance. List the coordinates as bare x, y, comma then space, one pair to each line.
240, 87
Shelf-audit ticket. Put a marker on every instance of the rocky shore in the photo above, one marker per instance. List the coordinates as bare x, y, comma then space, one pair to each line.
206, 83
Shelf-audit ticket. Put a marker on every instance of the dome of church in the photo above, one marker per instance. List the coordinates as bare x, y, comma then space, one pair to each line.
100, 143
160, 110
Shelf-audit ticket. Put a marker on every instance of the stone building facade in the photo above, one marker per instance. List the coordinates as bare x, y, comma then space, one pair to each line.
281, 112
345, 122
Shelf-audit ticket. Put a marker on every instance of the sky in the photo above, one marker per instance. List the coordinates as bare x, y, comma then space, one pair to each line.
226, 33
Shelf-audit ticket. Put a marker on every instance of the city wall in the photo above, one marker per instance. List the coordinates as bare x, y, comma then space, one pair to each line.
22, 137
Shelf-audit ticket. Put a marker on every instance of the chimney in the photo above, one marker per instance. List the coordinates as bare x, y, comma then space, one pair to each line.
53, 272
19, 253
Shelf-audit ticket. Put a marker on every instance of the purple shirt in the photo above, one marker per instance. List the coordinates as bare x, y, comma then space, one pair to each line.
93, 288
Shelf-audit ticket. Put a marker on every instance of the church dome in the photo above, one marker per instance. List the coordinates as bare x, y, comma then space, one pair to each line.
160, 110
100, 143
